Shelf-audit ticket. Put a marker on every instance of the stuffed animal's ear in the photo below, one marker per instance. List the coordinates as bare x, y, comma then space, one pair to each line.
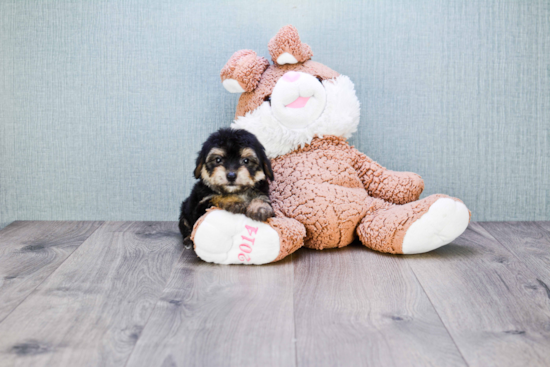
243, 71
286, 47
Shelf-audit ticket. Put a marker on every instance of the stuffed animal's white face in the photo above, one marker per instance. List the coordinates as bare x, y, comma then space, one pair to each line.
298, 99
302, 108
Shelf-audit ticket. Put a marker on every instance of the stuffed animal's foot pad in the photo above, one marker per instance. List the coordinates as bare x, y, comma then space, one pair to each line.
445, 220
227, 238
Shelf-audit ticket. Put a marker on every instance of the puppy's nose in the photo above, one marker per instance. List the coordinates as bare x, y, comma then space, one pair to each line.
231, 176
291, 76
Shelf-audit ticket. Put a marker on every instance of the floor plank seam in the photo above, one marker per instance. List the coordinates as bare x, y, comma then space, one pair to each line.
439, 316
154, 308
529, 269
53, 271
537, 223
295, 337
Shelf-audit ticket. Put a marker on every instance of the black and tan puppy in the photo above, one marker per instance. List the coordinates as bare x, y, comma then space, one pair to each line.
232, 169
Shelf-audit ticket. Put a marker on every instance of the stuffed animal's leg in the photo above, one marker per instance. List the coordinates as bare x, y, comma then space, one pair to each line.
413, 228
226, 238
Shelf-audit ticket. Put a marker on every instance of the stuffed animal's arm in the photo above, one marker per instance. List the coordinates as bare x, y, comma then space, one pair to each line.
392, 186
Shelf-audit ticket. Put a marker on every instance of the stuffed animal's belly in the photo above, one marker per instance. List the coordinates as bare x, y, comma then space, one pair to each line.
329, 212
318, 166
322, 190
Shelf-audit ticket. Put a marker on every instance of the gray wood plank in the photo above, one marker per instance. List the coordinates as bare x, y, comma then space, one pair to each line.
489, 300
529, 242
357, 307
544, 224
220, 315
30, 252
92, 309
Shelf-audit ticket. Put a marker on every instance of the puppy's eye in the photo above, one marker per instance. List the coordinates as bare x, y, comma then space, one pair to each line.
268, 99
320, 80
218, 160
246, 161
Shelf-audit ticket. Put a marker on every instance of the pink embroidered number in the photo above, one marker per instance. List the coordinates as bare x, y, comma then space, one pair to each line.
243, 257
245, 247
251, 230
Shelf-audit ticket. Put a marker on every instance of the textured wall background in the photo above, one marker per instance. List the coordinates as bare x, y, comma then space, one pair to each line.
104, 104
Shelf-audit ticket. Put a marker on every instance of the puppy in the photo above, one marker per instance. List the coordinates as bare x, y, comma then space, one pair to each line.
232, 169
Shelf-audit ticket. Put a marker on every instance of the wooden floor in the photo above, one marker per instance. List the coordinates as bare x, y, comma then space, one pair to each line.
128, 294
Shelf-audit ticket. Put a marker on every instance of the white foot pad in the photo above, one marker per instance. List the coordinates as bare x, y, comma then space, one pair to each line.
227, 238
444, 222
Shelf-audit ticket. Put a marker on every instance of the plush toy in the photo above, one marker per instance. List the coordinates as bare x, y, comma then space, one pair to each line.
325, 192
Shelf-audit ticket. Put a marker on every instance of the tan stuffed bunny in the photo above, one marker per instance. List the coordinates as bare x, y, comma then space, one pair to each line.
325, 192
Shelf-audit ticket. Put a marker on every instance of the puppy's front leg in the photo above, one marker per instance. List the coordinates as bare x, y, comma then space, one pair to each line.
231, 203
185, 230
260, 209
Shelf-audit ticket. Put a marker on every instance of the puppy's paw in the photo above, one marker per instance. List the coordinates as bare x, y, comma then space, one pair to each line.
187, 243
262, 214
259, 210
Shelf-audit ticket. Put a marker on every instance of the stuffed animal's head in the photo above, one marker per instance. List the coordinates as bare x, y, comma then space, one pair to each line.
288, 103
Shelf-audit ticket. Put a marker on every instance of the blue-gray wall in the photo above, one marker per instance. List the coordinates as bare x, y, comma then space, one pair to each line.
104, 104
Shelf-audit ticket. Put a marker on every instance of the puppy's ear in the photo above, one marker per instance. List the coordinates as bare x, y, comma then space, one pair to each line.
199, 164
266, 165
267, 170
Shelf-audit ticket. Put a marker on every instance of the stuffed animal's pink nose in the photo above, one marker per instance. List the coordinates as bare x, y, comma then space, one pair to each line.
291, 76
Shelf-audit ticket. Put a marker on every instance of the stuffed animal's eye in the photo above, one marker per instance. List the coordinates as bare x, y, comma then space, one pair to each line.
218, 160
246, 160
268, 99
320, 80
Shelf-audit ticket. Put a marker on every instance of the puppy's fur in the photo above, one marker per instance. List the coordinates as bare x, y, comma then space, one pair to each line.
232, 169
